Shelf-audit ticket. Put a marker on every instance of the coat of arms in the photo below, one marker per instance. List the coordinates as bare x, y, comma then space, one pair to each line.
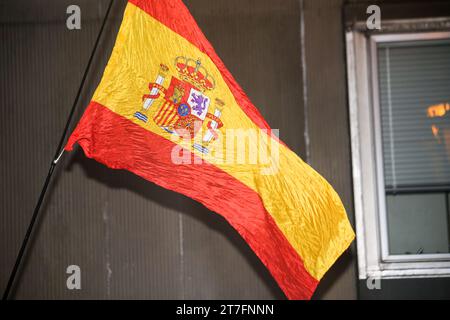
184, 106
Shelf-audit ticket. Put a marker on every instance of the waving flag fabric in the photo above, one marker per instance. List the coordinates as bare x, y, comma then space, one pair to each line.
169, 111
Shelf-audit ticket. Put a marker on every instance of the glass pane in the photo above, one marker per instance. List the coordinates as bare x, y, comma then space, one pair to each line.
414, 86
418, 223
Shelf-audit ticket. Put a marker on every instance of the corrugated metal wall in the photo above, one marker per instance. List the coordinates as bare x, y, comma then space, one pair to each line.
130, 238
328, 124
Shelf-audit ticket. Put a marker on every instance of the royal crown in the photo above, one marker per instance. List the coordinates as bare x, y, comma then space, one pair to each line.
192, 71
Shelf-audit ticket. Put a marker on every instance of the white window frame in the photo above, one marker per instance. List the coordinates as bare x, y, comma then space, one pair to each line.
374, 260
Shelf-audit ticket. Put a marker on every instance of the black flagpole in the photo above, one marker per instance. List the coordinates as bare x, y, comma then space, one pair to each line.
55, 160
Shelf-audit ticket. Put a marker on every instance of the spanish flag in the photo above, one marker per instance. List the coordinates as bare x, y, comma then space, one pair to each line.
168, 110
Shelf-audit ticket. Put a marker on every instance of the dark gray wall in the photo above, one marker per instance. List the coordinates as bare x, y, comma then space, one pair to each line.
131, 238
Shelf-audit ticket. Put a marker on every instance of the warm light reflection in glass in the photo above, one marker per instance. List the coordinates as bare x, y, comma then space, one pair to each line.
440, 129
435, 131
438, 110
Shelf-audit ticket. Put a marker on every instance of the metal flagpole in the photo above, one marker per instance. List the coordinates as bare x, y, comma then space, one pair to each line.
58, 154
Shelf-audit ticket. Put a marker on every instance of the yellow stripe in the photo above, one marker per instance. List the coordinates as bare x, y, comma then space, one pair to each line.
304, 206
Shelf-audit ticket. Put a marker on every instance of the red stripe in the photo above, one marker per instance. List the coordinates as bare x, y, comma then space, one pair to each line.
172, 119
161, 111
100, 133
170, 112
174, 15
166, 111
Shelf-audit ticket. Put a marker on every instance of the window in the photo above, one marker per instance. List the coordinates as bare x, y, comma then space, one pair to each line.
399, 99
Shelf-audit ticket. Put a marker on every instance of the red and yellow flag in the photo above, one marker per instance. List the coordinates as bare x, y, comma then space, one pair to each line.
169, 111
